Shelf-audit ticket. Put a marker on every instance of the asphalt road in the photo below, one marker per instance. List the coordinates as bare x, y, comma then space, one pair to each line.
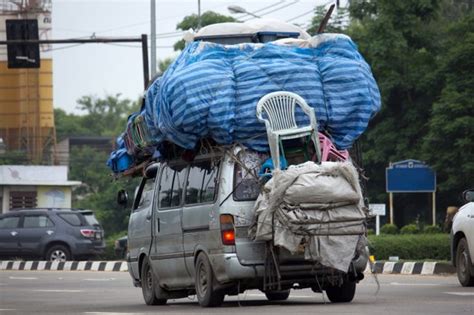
57, 292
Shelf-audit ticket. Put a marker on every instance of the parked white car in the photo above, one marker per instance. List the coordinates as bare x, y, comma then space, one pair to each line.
462, 241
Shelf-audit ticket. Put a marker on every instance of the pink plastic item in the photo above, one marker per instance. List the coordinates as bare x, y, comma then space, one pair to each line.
329, 152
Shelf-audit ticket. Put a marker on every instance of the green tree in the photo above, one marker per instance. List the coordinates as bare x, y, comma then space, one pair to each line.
103, 117
192, 22
69, 125
402, 41
107, 116
448, 146
99, 190
164, 64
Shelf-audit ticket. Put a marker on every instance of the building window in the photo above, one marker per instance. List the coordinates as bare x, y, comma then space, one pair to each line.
22, 199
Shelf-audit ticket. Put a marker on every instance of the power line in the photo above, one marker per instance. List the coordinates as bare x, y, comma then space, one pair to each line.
276, 9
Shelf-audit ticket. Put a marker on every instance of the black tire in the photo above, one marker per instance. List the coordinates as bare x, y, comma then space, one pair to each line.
150, 287
341, 294
464, 264
205, 281
277, 295
58, 253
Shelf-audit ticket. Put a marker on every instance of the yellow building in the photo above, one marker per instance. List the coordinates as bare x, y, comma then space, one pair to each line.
26, 95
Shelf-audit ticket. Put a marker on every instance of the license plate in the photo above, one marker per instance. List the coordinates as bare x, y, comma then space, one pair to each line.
98, 235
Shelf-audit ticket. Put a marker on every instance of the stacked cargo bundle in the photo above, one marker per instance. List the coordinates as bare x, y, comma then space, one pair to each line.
211, 90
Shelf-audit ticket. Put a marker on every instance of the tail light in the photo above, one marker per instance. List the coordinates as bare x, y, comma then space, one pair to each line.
88, 233
227, 229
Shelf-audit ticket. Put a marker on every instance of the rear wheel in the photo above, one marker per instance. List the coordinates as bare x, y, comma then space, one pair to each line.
58, 253
150, 286
206, 293
343, 293
277, 295
464, 264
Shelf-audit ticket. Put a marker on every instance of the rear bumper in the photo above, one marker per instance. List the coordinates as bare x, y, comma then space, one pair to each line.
227, 268
89, 248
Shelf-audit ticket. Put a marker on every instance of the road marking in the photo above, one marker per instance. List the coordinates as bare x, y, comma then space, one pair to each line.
461, 293
7, 309
414, 284
99, 279
110, 313
59, 291
23, 278
261, 295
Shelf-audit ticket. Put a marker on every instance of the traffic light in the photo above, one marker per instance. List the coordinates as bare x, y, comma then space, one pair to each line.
22, 55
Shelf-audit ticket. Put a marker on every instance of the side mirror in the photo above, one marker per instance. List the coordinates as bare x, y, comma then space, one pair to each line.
122, 197
468, 195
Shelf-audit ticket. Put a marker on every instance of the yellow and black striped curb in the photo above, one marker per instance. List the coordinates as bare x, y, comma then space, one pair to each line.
66, 266
411, 268
404, 268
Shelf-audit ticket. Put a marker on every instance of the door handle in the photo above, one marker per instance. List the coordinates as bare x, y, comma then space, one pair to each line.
14, 233
49, 232
158, 224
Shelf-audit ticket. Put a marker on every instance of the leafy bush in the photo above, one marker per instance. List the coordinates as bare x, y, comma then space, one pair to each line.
370, 232
410, 229
410, 246
432, 229
109, 253
389, 229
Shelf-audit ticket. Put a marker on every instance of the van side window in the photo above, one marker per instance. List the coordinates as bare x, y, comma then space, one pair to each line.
171, 187
202, 183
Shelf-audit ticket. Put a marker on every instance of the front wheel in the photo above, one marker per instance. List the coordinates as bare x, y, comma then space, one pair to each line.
343, 293
206, 293
464, 264
150, 286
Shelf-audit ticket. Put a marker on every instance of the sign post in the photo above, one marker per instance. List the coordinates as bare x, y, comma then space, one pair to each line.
378, 209
410, 176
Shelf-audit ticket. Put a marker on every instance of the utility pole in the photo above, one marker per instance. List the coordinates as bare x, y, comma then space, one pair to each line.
153, 37
199, 14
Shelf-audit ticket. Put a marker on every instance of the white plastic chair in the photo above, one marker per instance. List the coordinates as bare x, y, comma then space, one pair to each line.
280, 109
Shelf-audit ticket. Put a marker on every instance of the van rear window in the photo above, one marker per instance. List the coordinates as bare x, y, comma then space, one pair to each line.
246, 185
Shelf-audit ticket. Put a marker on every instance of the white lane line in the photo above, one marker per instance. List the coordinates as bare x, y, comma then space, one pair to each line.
99, 279
414, 284
243, 295
110, 313
7, 309
23, 278
460, 293
59, 291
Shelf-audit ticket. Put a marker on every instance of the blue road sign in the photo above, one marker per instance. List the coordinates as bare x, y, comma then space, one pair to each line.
410, 176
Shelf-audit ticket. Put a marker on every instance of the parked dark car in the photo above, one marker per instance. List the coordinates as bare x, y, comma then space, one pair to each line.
121, 247
53, 234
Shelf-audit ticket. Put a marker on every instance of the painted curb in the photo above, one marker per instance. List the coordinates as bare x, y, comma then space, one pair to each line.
64, 266
411, 268
404, 268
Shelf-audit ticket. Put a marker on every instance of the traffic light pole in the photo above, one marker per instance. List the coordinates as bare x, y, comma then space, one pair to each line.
104, 40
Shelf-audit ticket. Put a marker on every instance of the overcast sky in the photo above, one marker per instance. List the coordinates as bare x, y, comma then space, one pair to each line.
101, 69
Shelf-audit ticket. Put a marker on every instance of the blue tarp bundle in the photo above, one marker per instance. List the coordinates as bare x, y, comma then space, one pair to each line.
211, 90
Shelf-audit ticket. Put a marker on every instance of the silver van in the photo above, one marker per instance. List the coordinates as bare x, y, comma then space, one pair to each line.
188, 234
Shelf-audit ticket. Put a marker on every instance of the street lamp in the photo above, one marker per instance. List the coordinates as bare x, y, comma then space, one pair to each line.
235, 9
